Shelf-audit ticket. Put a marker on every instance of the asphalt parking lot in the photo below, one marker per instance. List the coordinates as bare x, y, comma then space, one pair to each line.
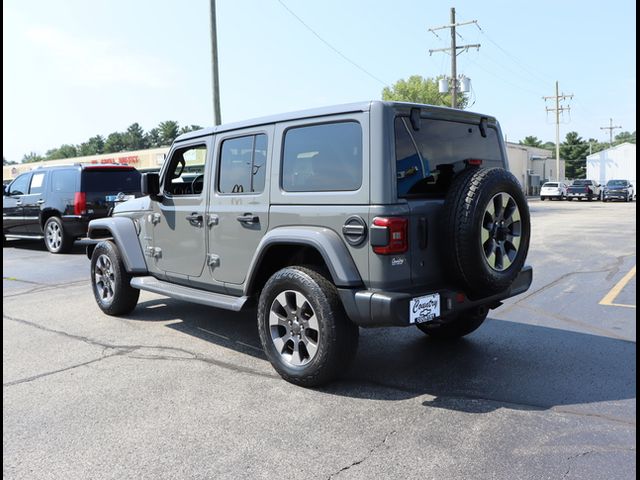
546, 388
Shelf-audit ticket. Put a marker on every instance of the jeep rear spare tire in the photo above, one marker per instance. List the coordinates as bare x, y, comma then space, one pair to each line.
486, 230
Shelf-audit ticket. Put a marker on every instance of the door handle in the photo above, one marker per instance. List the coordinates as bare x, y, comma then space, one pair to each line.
195, 219
18, 202
40, 202
248, 219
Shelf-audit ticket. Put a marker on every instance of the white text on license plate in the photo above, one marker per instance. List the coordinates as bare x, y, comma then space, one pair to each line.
423, 309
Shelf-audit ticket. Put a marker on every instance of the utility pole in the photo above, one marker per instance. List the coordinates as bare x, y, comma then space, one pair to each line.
557, 97
214, 61
611, 128
453, 51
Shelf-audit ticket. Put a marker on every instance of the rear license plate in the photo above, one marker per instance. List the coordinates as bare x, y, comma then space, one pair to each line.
119, 198
424, 309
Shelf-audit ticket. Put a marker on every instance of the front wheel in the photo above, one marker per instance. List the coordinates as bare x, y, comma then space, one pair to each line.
111, 282
303, 328
463, 324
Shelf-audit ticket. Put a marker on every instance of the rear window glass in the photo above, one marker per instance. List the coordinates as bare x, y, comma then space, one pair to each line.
110, 180
428, 159
64, 181
321, 158
581, 182
550, 185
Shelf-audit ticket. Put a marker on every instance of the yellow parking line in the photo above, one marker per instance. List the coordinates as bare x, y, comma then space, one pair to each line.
617, 288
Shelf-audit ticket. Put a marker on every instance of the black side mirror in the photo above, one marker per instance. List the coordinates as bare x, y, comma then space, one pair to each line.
150, 184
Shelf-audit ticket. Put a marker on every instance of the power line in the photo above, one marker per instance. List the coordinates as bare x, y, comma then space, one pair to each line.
513, 57
317, 35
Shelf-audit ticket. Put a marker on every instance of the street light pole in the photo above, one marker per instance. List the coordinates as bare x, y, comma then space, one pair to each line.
217, 119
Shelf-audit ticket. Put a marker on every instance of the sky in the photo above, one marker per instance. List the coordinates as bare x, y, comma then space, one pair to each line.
73, 69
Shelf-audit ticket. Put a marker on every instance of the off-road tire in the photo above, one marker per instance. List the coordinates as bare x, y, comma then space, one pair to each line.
110, 281
465, 226
56, 239
336, 335
457, 327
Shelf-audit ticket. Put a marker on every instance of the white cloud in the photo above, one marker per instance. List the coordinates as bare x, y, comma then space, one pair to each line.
91, 63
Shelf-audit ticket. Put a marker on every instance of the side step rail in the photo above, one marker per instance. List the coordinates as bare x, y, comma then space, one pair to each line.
218, 300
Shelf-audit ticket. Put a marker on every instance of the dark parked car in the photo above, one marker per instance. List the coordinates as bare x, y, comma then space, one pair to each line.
56, 203
618, 190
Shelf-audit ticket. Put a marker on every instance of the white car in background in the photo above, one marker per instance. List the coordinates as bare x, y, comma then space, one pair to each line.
552, 190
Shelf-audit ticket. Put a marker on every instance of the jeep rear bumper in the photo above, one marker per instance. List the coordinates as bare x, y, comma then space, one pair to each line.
367, 308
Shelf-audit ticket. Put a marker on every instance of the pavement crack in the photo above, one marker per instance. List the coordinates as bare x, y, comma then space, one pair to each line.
126, 350
590, 452
366, 457
42, 287
60, 370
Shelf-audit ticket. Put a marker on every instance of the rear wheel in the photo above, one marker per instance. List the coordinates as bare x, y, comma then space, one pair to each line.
462, 324
55, 237
111, 282
303, 328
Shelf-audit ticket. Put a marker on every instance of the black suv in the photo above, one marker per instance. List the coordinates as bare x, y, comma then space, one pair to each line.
57, 203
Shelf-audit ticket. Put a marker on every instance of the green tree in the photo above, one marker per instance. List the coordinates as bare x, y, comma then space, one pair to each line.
417, 89
32, 157
190, 128
152, 137
574, 151
134, 138
168, 132
93, 146
64, 151
623, 137
115, 143
8, 162
531, 142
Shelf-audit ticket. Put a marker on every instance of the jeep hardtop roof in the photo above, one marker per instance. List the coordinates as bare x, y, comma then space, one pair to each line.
453, 114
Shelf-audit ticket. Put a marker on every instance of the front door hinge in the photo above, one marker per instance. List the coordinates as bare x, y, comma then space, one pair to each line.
212, 220
213, 260
154, 252
154, 218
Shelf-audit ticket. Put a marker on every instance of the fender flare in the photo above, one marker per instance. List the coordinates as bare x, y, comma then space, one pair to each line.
124, 234
328, 243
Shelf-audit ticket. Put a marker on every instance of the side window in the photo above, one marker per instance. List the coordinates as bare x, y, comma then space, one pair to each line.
20, 185
64, 181
185, 174
242, 164
320, 158
37, 183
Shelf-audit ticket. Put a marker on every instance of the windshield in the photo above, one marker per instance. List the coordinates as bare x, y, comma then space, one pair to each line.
428, 159
617, 183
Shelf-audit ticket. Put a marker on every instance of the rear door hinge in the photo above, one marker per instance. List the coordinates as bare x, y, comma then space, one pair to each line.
213, 260
154, 252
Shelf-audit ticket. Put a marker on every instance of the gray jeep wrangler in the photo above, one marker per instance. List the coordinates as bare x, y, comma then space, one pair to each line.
362, 215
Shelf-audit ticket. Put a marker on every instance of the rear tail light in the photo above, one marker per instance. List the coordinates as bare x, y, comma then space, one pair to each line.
391, 236
80, 203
